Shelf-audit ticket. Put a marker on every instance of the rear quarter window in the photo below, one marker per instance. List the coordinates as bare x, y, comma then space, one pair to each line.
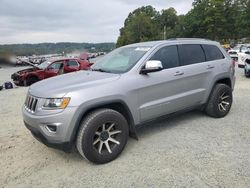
212, 52
191, 54
72, 63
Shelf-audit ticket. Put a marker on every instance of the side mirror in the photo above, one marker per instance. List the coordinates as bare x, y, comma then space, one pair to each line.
152, 66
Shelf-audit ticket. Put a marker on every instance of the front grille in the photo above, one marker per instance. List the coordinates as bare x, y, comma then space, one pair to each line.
232, 52
30, 103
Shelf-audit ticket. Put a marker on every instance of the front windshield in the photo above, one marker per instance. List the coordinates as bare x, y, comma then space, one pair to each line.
120, 60
44, 65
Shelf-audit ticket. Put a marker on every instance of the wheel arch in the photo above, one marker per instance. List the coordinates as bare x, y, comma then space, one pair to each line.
227, 81
32, 75
117, 105
222, 80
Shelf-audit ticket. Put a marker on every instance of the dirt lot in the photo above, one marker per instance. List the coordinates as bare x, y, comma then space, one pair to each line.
191, 150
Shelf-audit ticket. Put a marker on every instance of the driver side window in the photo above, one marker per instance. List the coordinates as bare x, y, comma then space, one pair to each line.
168, 56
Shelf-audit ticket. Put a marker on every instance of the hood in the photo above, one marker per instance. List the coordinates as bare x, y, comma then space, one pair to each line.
59, 86
27, 70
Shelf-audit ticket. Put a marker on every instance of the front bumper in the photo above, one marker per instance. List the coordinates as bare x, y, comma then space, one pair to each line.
63, 121
65, 146
17, 79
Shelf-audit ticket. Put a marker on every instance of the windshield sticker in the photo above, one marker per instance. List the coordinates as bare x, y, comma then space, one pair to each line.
144, 49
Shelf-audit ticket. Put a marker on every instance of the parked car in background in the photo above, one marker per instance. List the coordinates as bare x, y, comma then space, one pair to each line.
48, 69
247, 67
98, 109
243, 55
234, 53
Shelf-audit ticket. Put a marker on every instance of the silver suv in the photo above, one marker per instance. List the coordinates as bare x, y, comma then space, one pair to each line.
98, 109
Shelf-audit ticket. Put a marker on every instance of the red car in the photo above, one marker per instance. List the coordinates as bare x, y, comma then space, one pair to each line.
48, 69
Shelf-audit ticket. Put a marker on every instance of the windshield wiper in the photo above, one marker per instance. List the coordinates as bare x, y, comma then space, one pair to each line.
100, 70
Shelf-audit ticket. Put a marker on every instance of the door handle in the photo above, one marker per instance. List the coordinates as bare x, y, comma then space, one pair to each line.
210, 67
178, 73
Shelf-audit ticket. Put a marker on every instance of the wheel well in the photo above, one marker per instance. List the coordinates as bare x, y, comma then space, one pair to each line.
32, 76
226, 81
119, 107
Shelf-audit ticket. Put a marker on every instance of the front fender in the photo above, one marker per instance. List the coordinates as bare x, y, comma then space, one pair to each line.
84, 108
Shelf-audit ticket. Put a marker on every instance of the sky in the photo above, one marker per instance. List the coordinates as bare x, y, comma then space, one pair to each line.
36, 21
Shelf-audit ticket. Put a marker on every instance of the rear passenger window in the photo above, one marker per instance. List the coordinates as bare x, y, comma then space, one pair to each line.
72, 63
212, 52
191, 54
168, 56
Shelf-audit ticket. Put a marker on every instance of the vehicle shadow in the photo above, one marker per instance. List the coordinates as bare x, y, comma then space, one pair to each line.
166, 123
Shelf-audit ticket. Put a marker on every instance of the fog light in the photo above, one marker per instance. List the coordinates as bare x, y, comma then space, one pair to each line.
51, 128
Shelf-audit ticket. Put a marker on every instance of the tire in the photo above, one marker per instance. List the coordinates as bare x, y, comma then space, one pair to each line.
220, 101
246, 75
31, 80
95, 134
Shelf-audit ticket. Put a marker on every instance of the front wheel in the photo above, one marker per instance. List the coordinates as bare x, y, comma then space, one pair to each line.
102, 136
30, 80
220, 101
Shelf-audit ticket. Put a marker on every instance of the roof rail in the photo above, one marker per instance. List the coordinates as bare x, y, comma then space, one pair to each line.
187, 39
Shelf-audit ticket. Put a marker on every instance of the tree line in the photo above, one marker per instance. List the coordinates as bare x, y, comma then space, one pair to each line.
220, 20
53, 48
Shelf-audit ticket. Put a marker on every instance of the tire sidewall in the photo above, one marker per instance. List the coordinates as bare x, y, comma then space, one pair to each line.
87, 140
220, 89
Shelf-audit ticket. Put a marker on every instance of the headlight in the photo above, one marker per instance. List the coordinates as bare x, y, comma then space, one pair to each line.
56, 103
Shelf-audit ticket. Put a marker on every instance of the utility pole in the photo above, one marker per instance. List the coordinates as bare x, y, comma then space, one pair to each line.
164, 33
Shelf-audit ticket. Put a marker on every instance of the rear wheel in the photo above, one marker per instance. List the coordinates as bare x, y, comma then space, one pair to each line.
102, 136
220, 101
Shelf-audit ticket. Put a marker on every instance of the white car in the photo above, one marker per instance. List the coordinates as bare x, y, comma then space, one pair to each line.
234, 53
243, 55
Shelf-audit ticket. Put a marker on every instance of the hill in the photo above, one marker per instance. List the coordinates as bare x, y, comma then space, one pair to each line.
53, 48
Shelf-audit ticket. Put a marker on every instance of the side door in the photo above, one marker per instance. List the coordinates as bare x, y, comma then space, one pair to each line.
71, 66
196, 78
53, 69
156, 91
215, 64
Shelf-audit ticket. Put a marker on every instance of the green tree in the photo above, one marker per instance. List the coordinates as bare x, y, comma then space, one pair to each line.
167, 19
140, 26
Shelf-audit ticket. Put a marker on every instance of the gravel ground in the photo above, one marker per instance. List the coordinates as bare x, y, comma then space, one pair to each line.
191, 150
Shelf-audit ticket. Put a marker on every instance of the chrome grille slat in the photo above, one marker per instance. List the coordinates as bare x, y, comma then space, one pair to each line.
31, 103
34, 105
